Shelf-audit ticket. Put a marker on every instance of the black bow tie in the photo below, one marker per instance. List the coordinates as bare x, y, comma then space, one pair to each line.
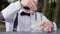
23, 14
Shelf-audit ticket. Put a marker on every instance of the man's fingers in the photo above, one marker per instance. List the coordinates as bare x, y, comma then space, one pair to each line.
30, 6
40, 29
34, 5
47, 26
36, 1
48, 29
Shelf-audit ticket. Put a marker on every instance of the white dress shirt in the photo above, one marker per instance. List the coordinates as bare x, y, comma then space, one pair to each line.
25, 23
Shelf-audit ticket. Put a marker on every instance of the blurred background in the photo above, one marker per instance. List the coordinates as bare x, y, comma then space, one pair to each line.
50, 8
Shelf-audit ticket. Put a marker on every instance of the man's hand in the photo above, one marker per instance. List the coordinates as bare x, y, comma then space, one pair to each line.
32, 4
47, 26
